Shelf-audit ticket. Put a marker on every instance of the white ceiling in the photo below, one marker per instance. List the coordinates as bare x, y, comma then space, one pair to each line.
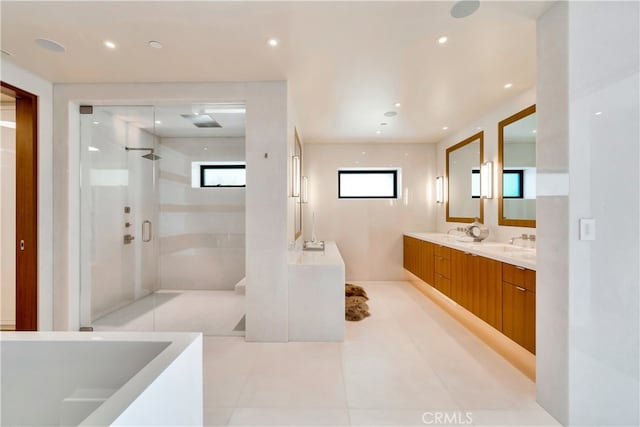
347, 62
166, 121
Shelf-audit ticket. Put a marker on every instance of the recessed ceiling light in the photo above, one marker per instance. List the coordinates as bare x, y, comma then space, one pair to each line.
384, 124
443, 40
96, 123
51, 45
390, 114
93, 148
508, 85
445, 127
109, 44
273, 42
155, 44
397, 104
158, 122
378, 132
464, 8
598, 113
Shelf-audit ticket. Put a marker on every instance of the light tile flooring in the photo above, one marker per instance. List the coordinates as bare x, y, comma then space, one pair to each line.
209, 312
409, 364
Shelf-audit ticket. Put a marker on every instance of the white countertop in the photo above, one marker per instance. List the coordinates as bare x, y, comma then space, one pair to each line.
510, 254
330, 256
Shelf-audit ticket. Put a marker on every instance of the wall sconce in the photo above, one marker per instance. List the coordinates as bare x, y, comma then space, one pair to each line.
440, 189
295, 192
304, 191
486, 180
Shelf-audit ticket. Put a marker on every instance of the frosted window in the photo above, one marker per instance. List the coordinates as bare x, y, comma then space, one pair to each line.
368, 184
223, 176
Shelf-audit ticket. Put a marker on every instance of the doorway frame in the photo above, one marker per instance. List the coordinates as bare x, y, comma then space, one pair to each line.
26, 245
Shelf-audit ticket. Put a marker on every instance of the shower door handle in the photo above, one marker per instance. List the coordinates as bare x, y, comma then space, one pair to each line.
146, 231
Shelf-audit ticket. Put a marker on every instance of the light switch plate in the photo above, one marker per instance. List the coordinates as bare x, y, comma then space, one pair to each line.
587, 229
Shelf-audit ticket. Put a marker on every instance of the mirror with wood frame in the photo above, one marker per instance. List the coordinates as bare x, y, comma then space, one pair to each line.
517, 169
463, 202
296, 178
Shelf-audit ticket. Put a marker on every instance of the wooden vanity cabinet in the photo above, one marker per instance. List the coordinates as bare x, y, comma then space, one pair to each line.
503, 295
418, 258
519, 305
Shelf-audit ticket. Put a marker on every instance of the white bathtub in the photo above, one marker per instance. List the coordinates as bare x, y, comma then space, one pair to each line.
99, 379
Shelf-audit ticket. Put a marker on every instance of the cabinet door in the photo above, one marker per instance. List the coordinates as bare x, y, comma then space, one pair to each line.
518, 315
428, 267
410, 255
443, 284
406, 248
422, 259
458, 276
489, 289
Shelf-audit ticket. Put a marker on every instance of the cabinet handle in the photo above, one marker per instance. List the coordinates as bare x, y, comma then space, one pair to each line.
520, 289
520, 268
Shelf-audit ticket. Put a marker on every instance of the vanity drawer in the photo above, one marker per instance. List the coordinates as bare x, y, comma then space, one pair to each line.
443, 251
519, 276
443, 266
443, 284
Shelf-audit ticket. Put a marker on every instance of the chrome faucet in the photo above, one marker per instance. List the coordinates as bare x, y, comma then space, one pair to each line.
522, 237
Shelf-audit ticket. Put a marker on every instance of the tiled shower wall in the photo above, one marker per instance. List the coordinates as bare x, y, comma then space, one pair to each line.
201, 230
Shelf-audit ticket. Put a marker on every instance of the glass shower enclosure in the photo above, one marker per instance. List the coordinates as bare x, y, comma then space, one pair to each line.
118, 214
160, 250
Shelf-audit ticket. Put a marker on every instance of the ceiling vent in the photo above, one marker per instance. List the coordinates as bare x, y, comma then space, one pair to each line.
202, 120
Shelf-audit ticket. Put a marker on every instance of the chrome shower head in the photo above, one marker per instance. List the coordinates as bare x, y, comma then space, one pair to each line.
149, 156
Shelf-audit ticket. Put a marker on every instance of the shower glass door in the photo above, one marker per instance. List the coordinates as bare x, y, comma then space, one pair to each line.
118, 214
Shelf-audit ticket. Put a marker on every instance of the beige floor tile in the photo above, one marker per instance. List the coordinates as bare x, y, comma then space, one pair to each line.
407, 417
228, 361
296, 375
513, 418
289, 417
214, 417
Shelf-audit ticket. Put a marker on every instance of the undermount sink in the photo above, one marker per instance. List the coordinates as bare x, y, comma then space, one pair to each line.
502, 248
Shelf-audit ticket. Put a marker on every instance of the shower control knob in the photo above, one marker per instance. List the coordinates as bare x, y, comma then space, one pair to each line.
127, 224
128, 238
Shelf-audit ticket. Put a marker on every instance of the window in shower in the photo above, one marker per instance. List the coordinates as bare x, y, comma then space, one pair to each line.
218, 174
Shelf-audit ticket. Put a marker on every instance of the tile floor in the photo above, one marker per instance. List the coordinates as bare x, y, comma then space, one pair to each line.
409, 364
211, 312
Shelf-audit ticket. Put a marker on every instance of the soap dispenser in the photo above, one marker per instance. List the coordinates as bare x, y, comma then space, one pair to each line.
477, 230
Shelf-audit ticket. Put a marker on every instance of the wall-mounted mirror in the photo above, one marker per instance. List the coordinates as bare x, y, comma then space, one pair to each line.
463, 180
296, 179
517, 169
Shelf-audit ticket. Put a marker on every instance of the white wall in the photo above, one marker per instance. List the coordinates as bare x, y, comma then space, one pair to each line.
8, 218
369, 232
266, 196
489, 124
16, 76
588, 292
201, 230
